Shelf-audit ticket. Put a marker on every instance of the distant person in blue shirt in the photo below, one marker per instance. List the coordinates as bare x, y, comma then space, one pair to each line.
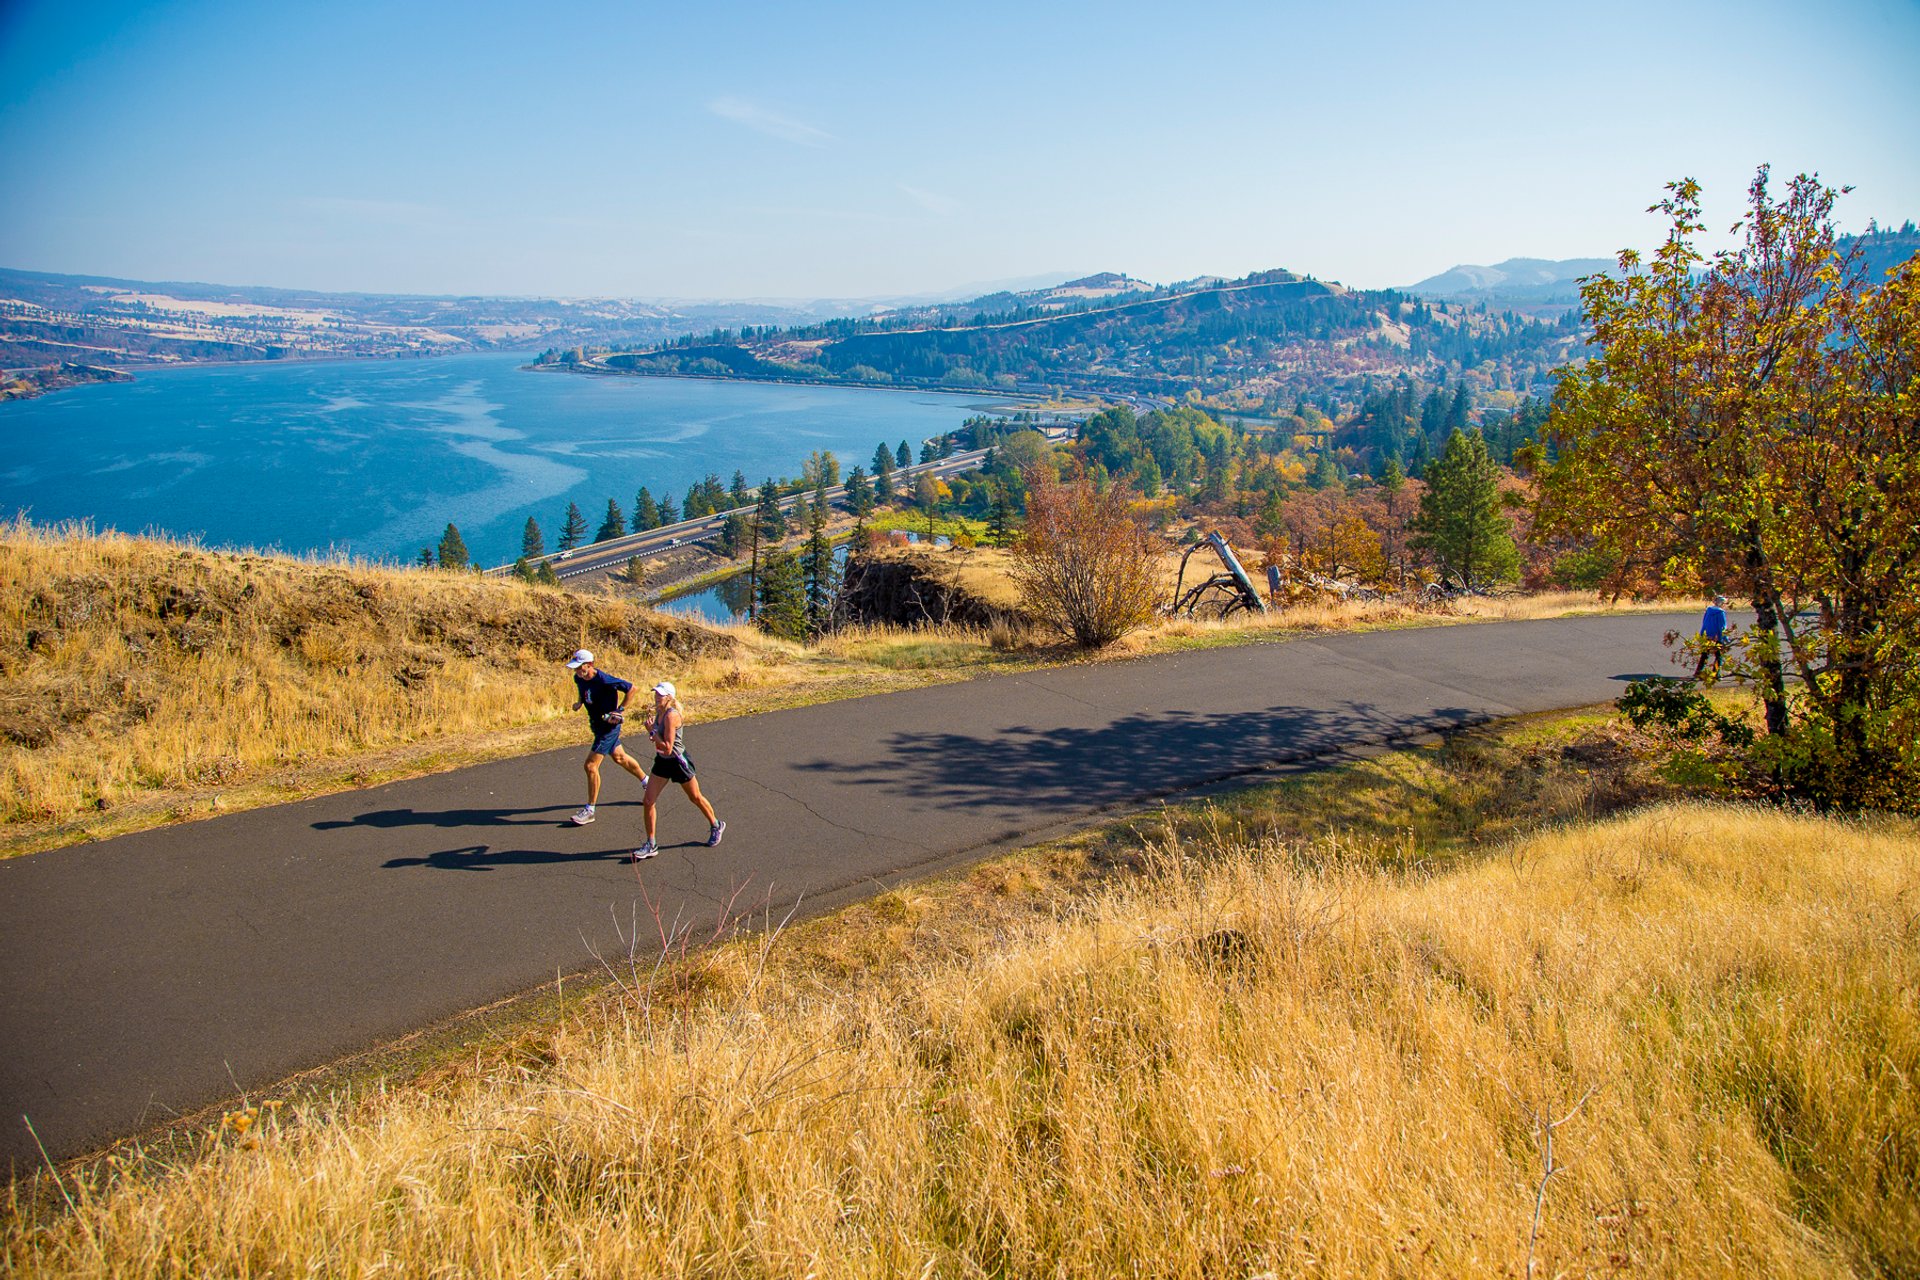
1713, 638
605, 698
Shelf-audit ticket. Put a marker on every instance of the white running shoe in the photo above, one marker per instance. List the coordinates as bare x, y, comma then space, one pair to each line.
645, 851
713, 836
582, 816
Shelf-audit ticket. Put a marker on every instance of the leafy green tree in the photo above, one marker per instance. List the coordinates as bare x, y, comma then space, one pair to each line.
781, 597
646, 512
532, 545
820, 469
929, 499
453, 549
614, 525
545, 576
574, 531
1461, 524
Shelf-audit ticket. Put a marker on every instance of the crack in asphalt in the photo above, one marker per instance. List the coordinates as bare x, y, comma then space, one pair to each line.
1353, 663
836, 825
1027, 682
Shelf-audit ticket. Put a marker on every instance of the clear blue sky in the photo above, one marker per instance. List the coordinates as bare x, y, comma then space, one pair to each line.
841, 150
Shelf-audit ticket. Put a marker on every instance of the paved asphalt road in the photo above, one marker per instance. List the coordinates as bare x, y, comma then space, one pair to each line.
147, 976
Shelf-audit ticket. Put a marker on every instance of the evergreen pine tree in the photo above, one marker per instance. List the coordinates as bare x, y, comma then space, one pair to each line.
646, 512
736, 534
668, 513
859, 493
1326, 473
532, 545
614, 525
1460, 523
882, 460
574, 531
782, 597
425, 559
773, 521
1457, 411
903, 456
453, 549
816, 565
1419, 454
1000, 518
737, 491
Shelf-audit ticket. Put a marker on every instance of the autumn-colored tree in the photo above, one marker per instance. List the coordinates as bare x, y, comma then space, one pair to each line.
1084, 566
1348, 550
1749, 422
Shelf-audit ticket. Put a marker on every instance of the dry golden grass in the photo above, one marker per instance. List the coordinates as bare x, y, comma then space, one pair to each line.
1261, 1054
137, 674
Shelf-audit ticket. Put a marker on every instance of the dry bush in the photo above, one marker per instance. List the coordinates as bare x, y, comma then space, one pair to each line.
1267, 1057
1085, 565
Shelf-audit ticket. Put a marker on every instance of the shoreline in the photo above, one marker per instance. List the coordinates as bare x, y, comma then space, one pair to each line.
848, 385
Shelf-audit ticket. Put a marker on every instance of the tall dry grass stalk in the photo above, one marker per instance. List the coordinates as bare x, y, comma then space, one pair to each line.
1263, 1058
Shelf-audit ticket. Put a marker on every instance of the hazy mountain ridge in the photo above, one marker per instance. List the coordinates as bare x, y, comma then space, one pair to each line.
1259, 341
1535, 281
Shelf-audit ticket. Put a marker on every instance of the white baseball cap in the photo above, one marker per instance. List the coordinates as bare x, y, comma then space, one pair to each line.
579, 659
664, 688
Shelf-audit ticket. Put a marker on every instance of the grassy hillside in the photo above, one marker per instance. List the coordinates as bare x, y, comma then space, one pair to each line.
135, 673
1414, 1018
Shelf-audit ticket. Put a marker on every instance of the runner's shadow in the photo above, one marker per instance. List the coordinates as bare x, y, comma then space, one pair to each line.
386, 819
480, 857
1019, 768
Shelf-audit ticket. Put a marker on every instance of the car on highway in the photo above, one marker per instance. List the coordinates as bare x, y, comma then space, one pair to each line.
673, 542
564, 555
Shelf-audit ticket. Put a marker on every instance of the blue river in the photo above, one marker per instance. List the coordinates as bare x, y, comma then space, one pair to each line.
374, 458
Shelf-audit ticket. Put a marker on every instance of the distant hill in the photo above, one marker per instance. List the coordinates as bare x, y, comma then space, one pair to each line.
1517, 281
1537, 283
1259, 342
47, 318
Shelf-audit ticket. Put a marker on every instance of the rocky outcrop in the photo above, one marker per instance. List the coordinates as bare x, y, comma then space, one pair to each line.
917, 589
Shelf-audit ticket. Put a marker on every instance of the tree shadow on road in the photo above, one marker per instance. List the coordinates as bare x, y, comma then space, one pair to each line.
1019, 768
386, 819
